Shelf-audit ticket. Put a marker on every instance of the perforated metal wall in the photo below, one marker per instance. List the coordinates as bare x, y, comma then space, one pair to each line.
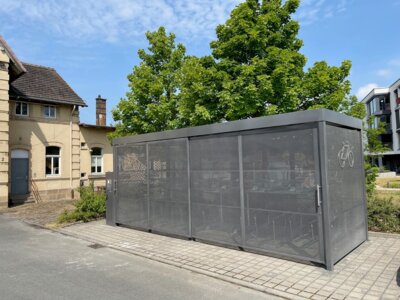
280, 180
215, 189
346, 190
131, 176
168, 186
295, 190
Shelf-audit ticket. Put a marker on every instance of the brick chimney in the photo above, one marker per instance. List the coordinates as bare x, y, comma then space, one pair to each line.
101, 111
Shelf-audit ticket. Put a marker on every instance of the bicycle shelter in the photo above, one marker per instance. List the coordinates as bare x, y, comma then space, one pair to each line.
289, 185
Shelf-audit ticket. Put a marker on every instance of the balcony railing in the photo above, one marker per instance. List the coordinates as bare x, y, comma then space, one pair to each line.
383, 110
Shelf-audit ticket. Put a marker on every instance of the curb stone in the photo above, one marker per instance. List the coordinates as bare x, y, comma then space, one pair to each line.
249, 285
384, 234
97, 239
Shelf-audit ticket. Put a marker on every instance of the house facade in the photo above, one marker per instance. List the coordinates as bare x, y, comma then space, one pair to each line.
383, 106
45, 152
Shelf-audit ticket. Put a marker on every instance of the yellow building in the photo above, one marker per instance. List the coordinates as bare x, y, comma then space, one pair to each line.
45, 152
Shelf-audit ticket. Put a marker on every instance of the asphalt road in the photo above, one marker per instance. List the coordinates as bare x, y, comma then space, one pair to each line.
40, 264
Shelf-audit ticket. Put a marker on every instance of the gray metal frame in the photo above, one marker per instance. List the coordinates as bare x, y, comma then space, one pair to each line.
325, 194
110, 199
302, 117
317, 120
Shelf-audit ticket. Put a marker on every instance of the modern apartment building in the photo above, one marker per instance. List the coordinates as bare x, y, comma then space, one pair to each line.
383, 105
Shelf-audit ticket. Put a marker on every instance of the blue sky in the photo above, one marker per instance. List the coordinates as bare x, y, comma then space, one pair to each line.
93, 44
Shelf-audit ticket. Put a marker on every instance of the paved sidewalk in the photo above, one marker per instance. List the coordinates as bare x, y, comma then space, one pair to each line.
372, 271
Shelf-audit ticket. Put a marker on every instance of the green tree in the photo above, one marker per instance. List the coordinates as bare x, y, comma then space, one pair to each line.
258, 70
258, 50
255, 69
374, 148
325, 86
200, 83
151, 104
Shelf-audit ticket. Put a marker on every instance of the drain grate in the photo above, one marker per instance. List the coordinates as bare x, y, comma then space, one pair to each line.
96, 246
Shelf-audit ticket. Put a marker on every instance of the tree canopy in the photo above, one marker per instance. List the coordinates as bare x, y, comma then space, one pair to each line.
152, 102
255, 69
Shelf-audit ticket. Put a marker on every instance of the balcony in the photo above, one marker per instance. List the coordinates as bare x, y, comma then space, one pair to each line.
383, 110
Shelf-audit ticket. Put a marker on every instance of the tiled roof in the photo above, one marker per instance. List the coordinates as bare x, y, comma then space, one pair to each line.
44, 84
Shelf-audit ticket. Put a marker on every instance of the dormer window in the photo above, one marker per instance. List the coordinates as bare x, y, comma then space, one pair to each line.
49, 111
21, 109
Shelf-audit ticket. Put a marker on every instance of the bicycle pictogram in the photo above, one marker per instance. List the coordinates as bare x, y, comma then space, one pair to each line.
346, 154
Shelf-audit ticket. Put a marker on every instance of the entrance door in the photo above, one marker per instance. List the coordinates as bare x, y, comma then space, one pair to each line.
19, 172
281, 182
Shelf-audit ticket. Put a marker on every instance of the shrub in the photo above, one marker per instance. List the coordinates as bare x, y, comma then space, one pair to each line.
383, 215
371, 173
92, 205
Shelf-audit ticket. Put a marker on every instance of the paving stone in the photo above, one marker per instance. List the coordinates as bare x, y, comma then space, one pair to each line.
270, 284
286, 283
311, 290
389, 297
338, 296
305, 294
293, 291
274, 280
318, 297
324, 293
355, 295
281, 288
370, 297
299, 286
259, 282
249, 279
368, 272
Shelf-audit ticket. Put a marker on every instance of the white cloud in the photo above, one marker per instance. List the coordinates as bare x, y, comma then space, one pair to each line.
384, 72
117, 20
365, 89
390, 68
311, 11
121, 20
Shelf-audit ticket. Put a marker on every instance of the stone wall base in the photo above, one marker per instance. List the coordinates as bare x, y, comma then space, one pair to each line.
3, 196
58, 194
3, 202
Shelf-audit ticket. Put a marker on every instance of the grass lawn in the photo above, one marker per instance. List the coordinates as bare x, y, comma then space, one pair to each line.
383, 182
394, 195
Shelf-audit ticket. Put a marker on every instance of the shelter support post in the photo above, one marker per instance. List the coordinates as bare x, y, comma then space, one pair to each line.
325, 195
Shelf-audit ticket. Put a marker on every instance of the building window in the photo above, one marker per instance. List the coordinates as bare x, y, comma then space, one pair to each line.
50, 111
375, 124
97, 161
52, 160
21, 109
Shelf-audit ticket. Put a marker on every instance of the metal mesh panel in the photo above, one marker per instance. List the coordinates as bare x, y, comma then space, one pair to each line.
168, 186
215, 189
255, 189
346, 190
132, 207
280, 177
